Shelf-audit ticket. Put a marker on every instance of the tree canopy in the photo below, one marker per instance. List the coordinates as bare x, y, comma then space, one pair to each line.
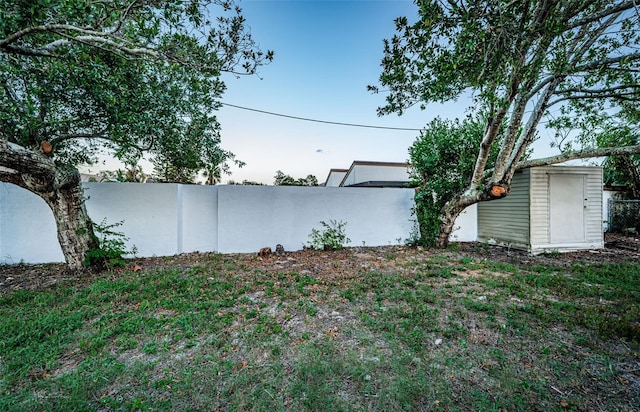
127, 76
519, 61
281, 179
442, 159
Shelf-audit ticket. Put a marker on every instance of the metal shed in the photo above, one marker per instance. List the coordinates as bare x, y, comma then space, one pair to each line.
550, 208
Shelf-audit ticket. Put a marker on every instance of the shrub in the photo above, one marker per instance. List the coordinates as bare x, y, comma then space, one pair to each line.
331, 237
112, 246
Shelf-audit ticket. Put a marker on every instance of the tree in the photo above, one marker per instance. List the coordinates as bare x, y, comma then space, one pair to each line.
128, 76
442, 160
251, 183
195, 151
598, 129
519, 61
624, 170
285, 180
245, 182
280, 179
132, 173
310, 180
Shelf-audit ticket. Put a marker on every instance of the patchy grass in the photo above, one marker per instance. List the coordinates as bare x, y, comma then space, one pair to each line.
387, 329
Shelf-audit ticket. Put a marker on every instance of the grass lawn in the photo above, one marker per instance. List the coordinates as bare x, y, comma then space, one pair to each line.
382, 329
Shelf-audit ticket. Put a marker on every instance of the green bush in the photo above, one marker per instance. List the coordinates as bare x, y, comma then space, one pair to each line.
112, 247
442, 161
331, 237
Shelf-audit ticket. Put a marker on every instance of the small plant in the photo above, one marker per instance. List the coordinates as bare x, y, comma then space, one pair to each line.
552, 253
482, 247
112, 247
330, 237
414, 239
453, 247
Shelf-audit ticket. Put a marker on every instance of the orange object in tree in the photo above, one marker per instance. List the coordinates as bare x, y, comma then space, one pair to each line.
46, 147
498, 191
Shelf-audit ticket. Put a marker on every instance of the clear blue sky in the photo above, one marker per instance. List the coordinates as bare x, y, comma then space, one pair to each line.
326, 53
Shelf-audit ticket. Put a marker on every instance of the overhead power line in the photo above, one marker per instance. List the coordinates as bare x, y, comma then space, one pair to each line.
306, 119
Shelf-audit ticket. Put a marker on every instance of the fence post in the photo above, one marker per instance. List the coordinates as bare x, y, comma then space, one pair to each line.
609, 213
179, 219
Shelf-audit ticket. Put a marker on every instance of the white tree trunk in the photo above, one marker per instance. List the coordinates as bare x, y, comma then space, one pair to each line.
455, 206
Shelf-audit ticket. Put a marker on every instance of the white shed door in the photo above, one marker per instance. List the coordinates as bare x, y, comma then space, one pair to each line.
567, 208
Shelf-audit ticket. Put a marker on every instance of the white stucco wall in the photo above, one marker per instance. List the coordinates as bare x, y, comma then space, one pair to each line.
148, 212
199, 219
466, 226
27, 228
165, 219
255, 217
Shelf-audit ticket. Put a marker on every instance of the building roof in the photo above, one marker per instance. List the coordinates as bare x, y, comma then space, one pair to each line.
399, 180
334, 171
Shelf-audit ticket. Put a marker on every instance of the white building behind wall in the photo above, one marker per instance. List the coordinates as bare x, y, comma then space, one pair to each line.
376, 174
335, 177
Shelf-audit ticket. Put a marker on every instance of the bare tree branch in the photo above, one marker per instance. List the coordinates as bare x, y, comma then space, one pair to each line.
606, 62
23, 160
11, 176
579, 154
528, 134
624, 6
627, 97
49, 28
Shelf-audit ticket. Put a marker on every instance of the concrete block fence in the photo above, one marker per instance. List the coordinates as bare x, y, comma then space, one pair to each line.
168, 219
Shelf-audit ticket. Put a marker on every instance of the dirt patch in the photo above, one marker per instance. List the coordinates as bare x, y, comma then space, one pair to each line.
330, 266
617, 248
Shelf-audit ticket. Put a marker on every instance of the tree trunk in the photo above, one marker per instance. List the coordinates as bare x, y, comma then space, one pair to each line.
455, 206
75, 230
448, 218
451, 210
60, 188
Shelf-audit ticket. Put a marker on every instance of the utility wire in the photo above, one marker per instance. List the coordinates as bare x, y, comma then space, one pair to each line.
320, 121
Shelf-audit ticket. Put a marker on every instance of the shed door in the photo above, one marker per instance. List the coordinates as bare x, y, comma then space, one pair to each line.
567, 208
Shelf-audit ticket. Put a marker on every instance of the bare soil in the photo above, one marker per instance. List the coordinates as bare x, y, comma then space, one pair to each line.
329, 265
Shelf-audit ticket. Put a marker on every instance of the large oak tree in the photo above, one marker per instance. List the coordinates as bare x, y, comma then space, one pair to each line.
520, 61
127, 76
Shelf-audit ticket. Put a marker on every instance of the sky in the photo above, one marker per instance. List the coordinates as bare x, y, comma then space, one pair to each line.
326, 53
